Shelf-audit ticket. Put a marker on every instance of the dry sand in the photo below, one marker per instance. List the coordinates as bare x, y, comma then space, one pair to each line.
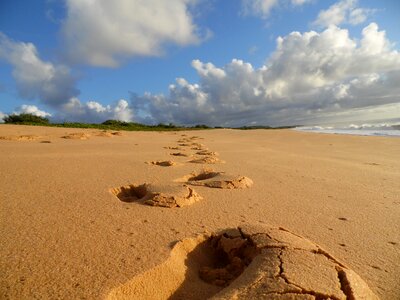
66, 235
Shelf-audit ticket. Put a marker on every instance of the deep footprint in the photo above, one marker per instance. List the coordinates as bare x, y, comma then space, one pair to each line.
206, 152
76, 136
157, 195
251, 262
162, 163
219, 180
180, 154
206, 160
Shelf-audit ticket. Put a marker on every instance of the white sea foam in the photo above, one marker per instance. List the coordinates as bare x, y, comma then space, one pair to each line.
371, 129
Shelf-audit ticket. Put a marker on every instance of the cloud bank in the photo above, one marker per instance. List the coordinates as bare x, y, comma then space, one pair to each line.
309, 74
94, 112
105, 32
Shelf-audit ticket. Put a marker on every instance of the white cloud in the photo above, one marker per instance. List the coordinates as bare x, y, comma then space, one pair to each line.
2, 116
95, 112
309, 74
345, 11
263, 8
103, 32
31, 109
35, 78
300, 2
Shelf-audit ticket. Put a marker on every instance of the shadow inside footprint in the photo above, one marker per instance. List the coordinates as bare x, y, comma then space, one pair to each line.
180, 154
130, 192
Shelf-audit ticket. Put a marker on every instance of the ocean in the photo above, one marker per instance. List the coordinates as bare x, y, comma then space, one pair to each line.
376, 128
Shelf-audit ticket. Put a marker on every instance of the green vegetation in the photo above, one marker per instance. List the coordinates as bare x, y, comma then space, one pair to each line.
29, 119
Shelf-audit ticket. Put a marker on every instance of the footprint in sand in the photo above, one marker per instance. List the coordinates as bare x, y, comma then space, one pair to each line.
195, 137
219, 180
162, 163
105, 133
206, 152
157, 195
251, 262
199, 147
20, 138
76, 136
184, 144
180, 154
206, 160
172, 148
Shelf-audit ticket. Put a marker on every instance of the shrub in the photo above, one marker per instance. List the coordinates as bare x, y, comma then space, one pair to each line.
25, 119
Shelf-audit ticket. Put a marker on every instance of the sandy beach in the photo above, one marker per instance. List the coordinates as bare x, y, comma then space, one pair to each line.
69, 231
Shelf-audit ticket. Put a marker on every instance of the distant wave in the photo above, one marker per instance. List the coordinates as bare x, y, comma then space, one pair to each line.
378, 129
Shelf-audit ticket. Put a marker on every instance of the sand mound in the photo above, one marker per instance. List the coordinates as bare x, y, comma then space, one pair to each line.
157, 195
252, 262
206, 160
220, 180
20, 138
76, 136
162, 163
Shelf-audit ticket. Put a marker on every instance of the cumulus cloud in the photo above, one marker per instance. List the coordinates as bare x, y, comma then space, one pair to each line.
300, 2
103, 32
259, 8
95, 112
262, 8
308, 74
35, 78
31, 109
2, 116
345, 11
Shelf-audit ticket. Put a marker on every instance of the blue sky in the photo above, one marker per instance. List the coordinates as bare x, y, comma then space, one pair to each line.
78, 61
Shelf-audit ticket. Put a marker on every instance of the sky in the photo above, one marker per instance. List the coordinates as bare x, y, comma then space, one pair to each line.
215, 62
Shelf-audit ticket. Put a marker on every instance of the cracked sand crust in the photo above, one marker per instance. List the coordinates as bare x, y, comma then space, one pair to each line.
292, 267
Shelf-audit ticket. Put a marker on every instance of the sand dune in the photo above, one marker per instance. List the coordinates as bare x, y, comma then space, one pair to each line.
90, 219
